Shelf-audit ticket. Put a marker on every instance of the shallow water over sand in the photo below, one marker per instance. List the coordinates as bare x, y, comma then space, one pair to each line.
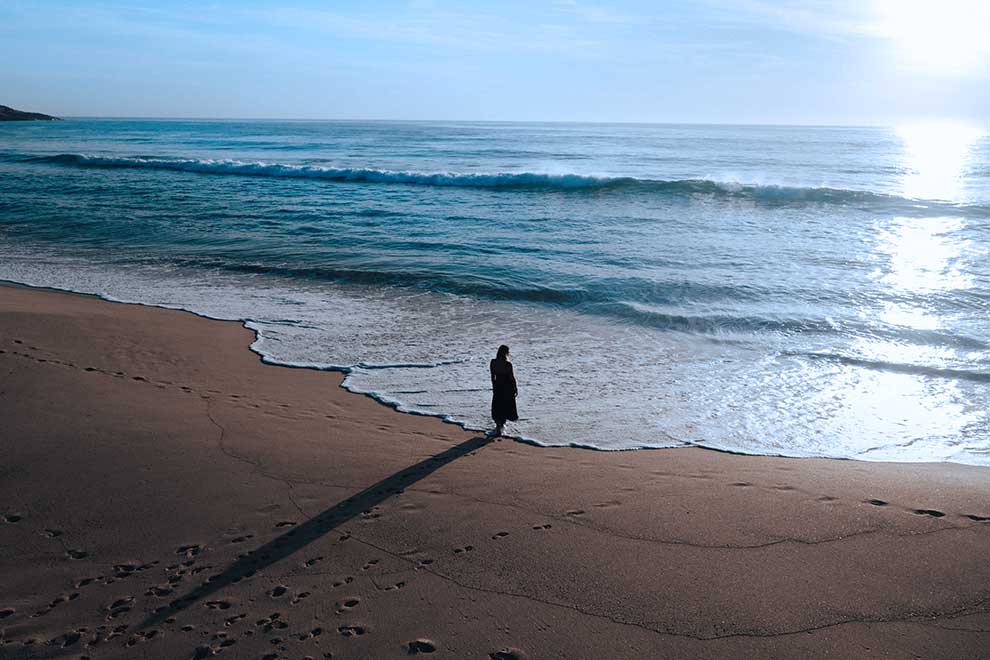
797, 291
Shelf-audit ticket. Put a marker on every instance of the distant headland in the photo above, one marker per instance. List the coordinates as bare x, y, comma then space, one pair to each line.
9, 114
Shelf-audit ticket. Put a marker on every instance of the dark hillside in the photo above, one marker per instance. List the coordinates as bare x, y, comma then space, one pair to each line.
9, 114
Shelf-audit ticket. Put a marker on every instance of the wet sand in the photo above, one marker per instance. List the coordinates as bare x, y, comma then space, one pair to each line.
163, 494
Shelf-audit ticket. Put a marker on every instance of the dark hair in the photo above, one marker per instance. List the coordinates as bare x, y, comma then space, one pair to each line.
503, 350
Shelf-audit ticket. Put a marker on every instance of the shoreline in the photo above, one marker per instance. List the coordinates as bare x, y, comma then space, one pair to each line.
443, 417
160, 484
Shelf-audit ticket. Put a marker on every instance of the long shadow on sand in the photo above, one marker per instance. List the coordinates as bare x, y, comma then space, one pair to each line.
316, 527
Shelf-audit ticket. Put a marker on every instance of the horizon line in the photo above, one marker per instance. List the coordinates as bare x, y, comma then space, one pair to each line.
484, 121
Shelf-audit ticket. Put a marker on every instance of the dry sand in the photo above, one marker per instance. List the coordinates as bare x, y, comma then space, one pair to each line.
163, 494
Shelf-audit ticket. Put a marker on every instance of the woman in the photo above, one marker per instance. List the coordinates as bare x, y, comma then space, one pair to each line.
503, 389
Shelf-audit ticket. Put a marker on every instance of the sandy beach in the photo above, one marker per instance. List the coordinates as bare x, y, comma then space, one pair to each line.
164, 494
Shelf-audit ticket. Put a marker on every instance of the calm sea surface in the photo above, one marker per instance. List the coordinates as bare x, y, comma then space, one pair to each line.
770, 290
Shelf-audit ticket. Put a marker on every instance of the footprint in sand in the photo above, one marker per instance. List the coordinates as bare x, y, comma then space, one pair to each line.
575, 512
370, 564
285, 523
6, 612
310, 562
315, 632
500, 535
352, 631
234, 619
64, 598
278, 591
159, 591
876, 502
12, 518
542, 527
347, 604
299, 597
142, 636
270, 622
218, 605
119, 606
268, 619
929, 512
67, 639
117, 631
507, 654
395, 587
372, 513
976, 518
420, 646
467, 548
76, 554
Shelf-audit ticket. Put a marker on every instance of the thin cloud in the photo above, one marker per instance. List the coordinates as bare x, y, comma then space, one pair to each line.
939, 38
597, 14
454, 30
822, 18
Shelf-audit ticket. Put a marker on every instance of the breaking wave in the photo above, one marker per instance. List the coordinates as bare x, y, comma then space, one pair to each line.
501, 180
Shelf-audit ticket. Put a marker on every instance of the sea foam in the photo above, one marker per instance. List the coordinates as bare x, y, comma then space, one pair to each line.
511, 180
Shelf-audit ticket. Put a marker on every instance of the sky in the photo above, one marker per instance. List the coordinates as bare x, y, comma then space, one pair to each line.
858, 62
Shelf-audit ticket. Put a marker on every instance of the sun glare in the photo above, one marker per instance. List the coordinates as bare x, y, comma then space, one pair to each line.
947, 37
936, 158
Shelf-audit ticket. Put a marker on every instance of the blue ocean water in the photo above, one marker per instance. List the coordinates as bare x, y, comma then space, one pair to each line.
806, 291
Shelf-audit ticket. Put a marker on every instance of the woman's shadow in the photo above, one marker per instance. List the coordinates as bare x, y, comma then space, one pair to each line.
316, 527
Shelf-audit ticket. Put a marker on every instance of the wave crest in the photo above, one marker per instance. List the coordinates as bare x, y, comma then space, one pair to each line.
345, 174
506, 180
899, 367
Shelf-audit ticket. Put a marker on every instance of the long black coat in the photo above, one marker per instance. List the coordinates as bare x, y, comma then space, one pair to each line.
503, 393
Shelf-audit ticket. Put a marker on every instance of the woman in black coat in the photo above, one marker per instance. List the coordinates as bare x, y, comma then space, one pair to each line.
503, 390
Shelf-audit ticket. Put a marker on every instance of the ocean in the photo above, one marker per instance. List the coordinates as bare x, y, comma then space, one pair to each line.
797, 291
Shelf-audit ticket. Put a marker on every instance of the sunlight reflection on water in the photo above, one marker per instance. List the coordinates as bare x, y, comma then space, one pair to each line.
936, 158
916, 261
